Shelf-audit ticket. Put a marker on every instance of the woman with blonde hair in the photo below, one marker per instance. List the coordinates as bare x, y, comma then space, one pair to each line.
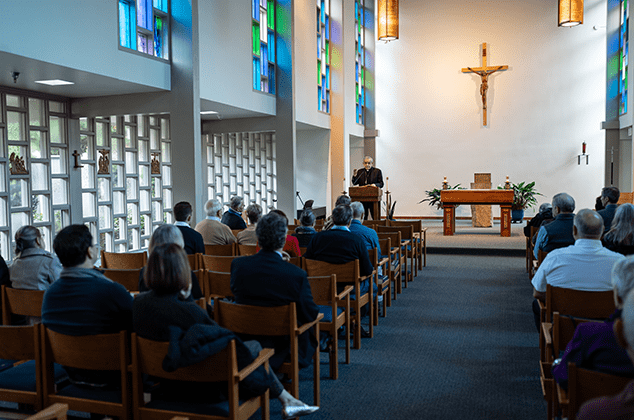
620, 237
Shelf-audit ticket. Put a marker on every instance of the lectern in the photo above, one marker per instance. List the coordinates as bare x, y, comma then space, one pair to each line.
368, 194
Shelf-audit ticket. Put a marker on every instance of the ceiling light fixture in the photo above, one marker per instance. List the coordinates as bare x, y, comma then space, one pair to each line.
207, 112
54, 82
387, 20
570, 13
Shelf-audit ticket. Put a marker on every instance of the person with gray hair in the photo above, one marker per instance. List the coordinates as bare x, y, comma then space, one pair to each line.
306, 231
214, 232
620, 406
248, 236
586, 265
368, 176
369, 235
594, 345
558, 233
545, 214
33, 267
620, 237
164, 235
233, 216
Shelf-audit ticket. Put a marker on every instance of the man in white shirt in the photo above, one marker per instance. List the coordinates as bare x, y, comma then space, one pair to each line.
586, 265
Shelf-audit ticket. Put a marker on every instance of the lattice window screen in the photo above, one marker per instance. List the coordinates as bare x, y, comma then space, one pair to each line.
242, 164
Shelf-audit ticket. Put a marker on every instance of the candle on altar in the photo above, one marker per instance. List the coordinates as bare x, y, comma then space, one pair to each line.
344, 185
387, 180
583, 148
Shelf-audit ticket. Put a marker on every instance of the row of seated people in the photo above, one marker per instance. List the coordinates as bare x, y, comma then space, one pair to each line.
83, 302
579, 258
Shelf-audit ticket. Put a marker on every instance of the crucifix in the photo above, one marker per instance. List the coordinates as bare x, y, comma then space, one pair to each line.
484, 73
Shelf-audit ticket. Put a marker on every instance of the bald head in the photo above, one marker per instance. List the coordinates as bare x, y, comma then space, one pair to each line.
588, 225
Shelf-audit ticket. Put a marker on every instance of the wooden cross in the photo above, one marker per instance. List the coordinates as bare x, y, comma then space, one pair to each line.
484, 73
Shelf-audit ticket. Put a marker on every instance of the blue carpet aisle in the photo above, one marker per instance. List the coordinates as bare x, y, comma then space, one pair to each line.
459, 343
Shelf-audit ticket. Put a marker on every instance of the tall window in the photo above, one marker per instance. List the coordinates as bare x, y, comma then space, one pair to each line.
360, 60
623, 55
323, 55
242, 164
143, 26
34, 183
126, 178
263, 36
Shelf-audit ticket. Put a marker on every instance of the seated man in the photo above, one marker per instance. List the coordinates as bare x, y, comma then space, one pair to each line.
594, 345
83, 301
248, 236
213, 231
620, 406
545, 215
233, 216
265, 279
609, 199
342, 200
193, 240
586, 265
558, 233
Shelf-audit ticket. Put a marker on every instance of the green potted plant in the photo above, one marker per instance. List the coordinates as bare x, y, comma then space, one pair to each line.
524, 196
433, 196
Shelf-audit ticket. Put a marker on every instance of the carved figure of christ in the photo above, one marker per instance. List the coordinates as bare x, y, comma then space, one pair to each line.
484, 73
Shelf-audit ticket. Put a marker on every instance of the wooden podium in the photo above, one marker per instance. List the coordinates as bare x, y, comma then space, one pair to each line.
451, 198
368, 194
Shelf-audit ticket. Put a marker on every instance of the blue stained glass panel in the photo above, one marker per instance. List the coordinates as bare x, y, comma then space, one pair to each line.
255, 10
271, 46
256, 73
142, 43
144, 14
127, 25
161, 5
265, 61
158, 36
319, 98
327, 101
328, 77
271, 78
327, 27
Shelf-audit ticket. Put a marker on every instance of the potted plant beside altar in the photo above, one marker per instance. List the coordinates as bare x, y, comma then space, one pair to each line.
433, 196
524, 197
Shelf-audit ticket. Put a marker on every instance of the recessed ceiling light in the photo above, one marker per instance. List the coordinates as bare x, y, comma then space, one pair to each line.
54, 82
207, 112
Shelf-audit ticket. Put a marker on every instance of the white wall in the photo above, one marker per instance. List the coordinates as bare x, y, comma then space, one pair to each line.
313, 148
80, 34
226, 68
550, 100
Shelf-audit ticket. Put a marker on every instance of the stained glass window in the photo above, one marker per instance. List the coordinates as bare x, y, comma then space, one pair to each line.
323, 55
623, 55
263, 48
143, 26
359, 55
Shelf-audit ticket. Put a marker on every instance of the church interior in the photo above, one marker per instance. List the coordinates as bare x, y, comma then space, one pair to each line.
113, 111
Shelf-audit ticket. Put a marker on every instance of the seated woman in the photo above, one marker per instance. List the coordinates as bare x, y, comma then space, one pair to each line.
620, 237
594, 345
305, 232
169, 234
166, 304
247, 236
33, 268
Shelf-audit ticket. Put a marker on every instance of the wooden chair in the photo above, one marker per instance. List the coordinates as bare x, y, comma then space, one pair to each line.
396, 254
303, 249
530, 257
21, 302
324, 291
409, 250
23, 383
373, 223
147, 359
272, 321
420, 238
348, 274
247, 250
383, 286
194, 261
291, 228
297, 261
123, 261
227, 250
236, 231
94, 352
217, 285
217, 263
393, 274
54, 412
127, 278
541, 256
584, 385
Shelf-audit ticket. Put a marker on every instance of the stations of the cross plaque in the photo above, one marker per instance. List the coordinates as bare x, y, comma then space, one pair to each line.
484, 72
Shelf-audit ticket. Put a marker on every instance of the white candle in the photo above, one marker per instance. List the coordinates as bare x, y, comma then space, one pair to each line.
387, 180
344, 185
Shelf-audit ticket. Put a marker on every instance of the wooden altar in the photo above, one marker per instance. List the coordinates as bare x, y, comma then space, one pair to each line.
368, 194
451, 198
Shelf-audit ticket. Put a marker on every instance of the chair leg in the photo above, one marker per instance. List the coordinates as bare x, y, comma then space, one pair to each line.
316, 375
264, 400
357, 327
333, 355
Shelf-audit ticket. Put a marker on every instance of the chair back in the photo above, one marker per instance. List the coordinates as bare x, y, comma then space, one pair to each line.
374, 223
395, 238
417, 225
194, 261
217, 263
407, 232
21, 302
323, 289
127, 278
256, 320
227, 250
22, 343
564, 329
217, 284
123, 261
236, 231
291, 228
297, 261
585, 384
56, 411
386, 245
247, 250
346, 273
578, 303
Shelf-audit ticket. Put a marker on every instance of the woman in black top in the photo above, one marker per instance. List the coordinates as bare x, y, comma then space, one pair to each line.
620, 237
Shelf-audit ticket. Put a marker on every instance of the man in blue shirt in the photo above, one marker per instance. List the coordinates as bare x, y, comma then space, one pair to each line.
558, 233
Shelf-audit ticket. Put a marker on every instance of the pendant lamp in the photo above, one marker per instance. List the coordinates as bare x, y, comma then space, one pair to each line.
387, 13
570, 13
